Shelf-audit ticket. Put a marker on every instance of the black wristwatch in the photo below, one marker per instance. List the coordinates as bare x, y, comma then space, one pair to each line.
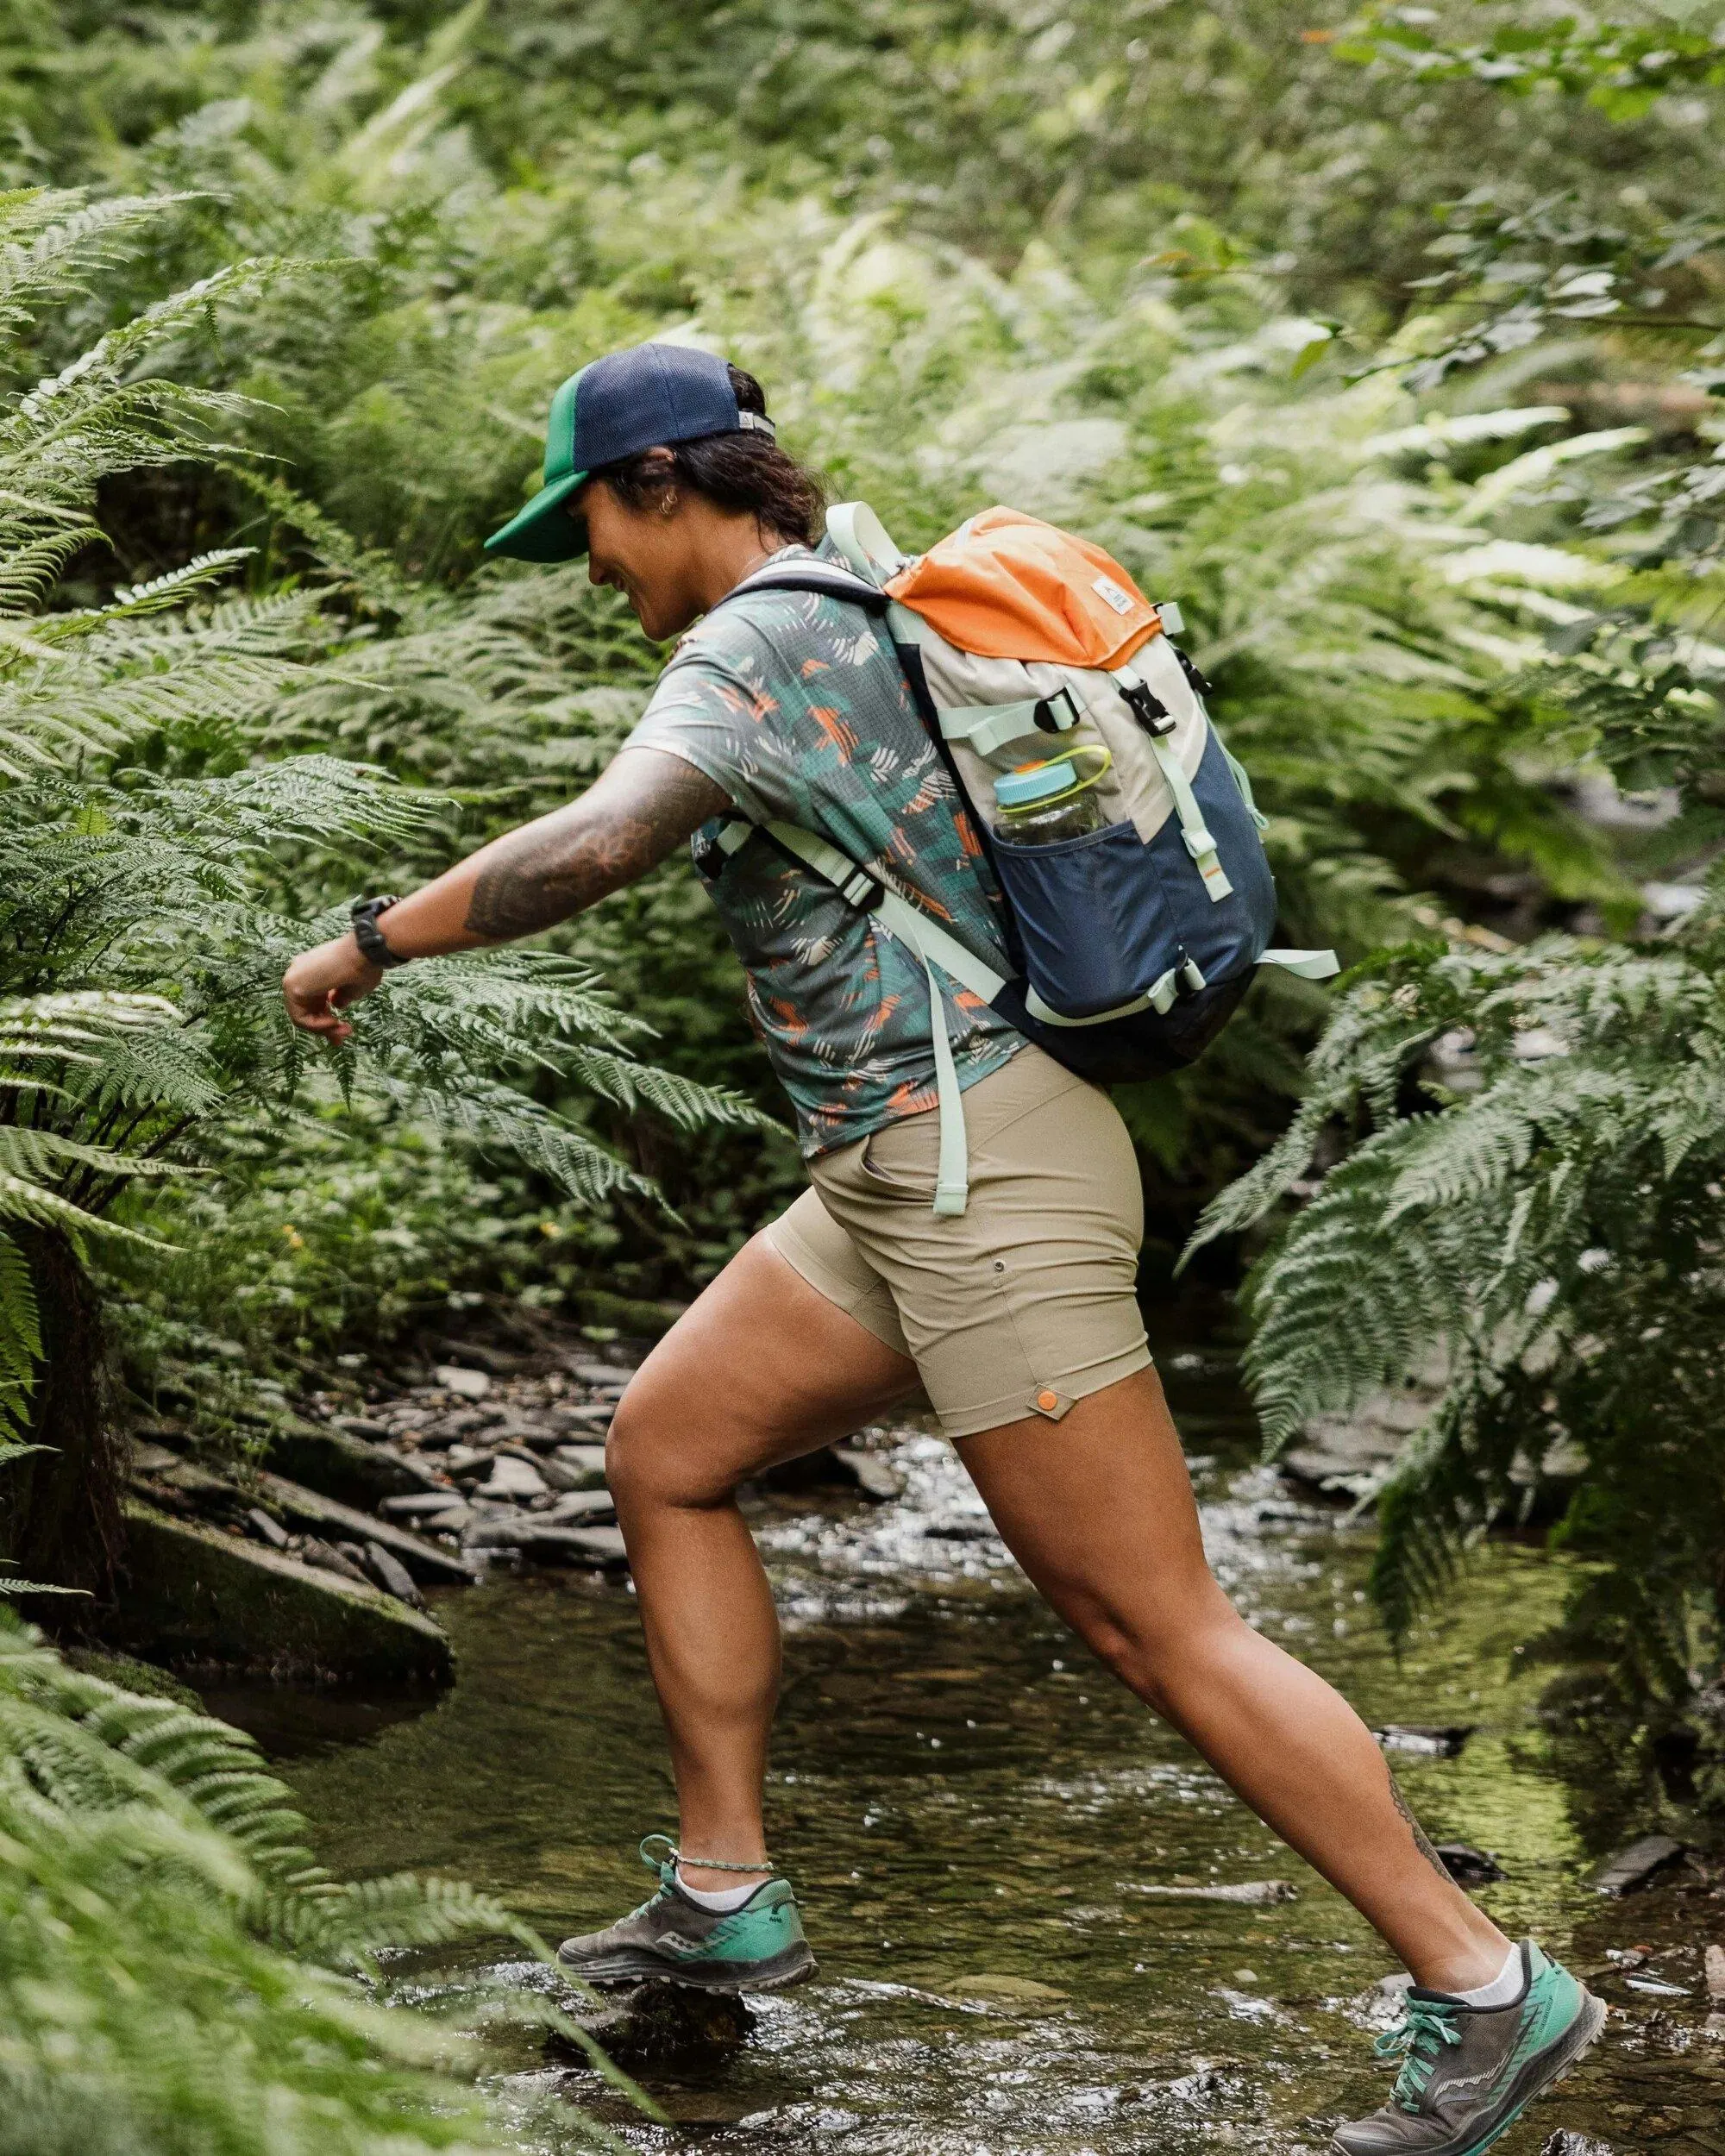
369, 936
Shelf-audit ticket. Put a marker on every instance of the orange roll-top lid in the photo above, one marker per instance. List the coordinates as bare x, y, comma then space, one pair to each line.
1005, 585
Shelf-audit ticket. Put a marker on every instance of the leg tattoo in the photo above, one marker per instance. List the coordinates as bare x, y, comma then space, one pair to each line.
1421, 1839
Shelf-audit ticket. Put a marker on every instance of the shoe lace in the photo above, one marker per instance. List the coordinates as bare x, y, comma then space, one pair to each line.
1418, 2040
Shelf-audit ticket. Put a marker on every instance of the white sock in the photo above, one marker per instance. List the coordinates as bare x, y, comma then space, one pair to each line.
725, 1899
1504, 1988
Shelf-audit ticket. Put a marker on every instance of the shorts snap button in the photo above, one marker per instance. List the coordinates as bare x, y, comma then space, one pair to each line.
1047, 1401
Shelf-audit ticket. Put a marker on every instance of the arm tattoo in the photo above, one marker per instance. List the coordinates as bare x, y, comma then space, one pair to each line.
638, 813
1422, 1840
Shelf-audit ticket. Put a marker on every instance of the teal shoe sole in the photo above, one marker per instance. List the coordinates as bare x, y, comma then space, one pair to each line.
636, 1964
1541, 2073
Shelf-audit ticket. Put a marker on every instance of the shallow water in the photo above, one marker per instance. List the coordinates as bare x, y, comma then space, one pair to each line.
963, 1796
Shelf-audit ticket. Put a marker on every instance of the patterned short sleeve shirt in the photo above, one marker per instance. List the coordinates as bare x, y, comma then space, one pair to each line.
796, 706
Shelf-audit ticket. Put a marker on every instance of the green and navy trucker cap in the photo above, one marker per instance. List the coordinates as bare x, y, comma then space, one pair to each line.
649, 396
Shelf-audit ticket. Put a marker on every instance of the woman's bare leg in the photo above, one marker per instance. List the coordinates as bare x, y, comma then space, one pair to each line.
1099, 1511
761, 1368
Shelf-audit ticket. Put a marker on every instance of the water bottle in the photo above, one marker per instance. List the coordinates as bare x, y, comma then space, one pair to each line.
1040, 804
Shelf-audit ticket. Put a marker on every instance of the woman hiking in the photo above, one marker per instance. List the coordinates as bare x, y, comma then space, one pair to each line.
1016, 1315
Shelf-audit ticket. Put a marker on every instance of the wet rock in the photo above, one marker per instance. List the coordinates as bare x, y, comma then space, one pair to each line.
465, 1384
196, 1595
1715, 1964
499, 1362
307, 1510
580, 1505
847, 1467
1204, 2085
647, 2024
1255, 1892
575, 1466
452, 1522
511, 1477
961, 1527
529, 1436
1433, 1740
1009, 1990
188, 1479
328, 1558
1632, 1868
611, 1376
597, 1416
875, 1476
362, 1427
392, 1575
1467, 1865
353, 1469
1347, 1455
266, 1529
465, 1422
508, 1444
600, 1548
424, 1505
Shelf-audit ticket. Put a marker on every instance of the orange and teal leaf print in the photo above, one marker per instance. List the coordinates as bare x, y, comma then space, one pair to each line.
843, 1011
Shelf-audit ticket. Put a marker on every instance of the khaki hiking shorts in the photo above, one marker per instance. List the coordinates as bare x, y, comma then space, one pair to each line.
1023, 1303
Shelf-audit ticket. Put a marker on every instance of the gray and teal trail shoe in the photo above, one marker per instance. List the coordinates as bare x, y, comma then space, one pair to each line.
759, 1948
1468, 2072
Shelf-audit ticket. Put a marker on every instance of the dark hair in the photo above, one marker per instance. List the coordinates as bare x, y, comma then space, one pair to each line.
747, 472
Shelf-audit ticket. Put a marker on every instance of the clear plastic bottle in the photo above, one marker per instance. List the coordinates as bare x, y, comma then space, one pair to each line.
1041, 804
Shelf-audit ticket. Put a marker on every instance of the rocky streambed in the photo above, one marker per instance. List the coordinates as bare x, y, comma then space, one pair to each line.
312, 1564
1044, 1927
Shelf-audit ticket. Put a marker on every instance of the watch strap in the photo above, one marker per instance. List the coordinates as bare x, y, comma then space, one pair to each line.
369, 936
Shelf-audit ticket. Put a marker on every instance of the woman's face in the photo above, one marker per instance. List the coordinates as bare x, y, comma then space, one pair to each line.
652, 556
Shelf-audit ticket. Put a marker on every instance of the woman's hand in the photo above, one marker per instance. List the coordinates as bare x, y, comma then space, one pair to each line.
320, 983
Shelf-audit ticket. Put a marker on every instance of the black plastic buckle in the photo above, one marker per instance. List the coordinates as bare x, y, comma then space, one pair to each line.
709, 857
1148, 708
1200, 684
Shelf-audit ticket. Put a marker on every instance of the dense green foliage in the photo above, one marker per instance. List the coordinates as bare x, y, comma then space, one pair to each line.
1440, 509
149, 848
1387, 346
176, 1973
1526, 1177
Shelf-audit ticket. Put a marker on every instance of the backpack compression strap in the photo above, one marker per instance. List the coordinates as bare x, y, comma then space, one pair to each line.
1152, 714
929, 942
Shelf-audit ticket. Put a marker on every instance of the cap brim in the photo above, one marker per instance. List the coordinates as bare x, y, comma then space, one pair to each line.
544, 531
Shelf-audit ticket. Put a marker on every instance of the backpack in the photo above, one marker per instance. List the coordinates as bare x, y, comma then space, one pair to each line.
1132, 944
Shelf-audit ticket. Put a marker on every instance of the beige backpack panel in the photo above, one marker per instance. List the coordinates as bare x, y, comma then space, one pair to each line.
1133, 789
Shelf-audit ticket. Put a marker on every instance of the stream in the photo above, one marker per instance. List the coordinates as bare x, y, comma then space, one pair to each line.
977, 1819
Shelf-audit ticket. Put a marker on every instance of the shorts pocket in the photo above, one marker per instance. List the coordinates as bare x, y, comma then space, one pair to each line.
900, 1160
